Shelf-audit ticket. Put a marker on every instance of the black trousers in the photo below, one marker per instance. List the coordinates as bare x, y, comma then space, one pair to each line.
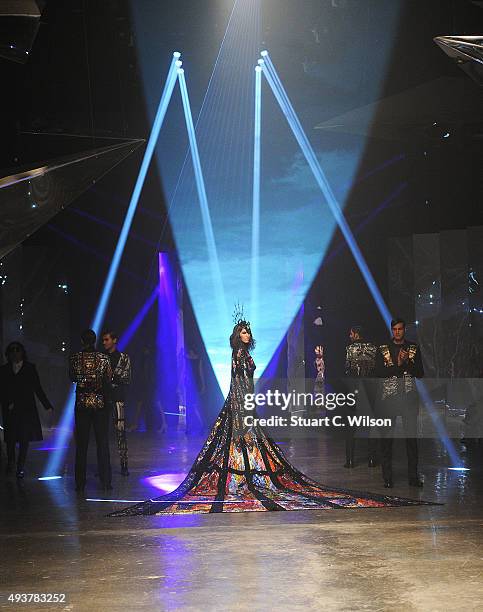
99, 420
410, 422
350, 440
23, 447
363, 407
117, 409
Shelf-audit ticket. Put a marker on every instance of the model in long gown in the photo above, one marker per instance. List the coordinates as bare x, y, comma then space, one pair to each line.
242, 469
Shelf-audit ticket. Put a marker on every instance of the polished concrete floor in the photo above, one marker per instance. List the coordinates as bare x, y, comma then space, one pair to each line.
398, 559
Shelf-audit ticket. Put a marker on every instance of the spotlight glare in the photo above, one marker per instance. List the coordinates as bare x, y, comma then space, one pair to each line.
49, 478
264, 53
179, 63
176, 54
459, 469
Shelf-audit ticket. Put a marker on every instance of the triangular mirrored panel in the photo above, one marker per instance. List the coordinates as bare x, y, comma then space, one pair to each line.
30, 198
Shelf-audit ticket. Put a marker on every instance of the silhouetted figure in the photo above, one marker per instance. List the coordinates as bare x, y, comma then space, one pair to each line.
148, 403
19, 384
195, 387
91, 371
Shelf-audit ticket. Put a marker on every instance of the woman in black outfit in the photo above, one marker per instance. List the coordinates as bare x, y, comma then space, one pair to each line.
19, 383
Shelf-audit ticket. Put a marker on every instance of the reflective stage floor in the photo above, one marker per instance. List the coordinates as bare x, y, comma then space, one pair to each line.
412, 558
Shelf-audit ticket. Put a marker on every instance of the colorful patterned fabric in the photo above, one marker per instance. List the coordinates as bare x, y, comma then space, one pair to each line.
360, 359
91, 371
240, 469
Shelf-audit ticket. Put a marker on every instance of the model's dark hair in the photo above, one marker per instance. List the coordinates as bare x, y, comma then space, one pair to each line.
235, 341
397, 321
109, 332
358, 329
11, 346
88, 337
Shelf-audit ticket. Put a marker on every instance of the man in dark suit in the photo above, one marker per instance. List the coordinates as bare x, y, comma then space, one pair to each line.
399, 363
91, 371
19, 384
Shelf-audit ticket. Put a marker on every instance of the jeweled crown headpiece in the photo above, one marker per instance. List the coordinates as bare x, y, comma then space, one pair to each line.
239, 316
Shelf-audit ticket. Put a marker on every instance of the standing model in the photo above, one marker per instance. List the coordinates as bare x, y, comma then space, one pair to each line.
121, 379
399, 363
241, 469
19, 384
91, 371
360, 362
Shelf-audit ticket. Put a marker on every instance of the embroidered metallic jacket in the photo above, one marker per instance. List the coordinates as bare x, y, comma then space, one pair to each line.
399, 379
121, 377
360, 359
91, 371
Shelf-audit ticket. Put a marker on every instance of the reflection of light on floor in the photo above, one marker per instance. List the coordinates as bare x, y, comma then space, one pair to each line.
459, 469
49, 478
50, 448
165, 482
116, 501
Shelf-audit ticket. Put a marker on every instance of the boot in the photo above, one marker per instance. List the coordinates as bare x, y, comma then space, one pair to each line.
349, 453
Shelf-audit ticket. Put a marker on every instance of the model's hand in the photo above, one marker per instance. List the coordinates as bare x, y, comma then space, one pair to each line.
402, 357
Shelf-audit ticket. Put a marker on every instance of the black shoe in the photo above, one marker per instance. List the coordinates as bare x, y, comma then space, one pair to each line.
349, 463
416, 482
124, 470
20, 473
372, 463
388, 484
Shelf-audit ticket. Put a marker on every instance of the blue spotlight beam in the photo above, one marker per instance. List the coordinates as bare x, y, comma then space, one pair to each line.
309, 153
255, 263
205, 210
128, 334
148, 154
438, 423
64, 427
289, 112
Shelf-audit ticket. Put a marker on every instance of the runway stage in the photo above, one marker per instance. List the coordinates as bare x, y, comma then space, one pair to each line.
409, 558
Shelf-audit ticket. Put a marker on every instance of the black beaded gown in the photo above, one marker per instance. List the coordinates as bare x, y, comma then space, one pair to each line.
241, 469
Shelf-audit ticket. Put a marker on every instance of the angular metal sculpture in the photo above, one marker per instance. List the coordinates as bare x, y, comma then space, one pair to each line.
19, 24
30, 198
466, 51
429, 111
